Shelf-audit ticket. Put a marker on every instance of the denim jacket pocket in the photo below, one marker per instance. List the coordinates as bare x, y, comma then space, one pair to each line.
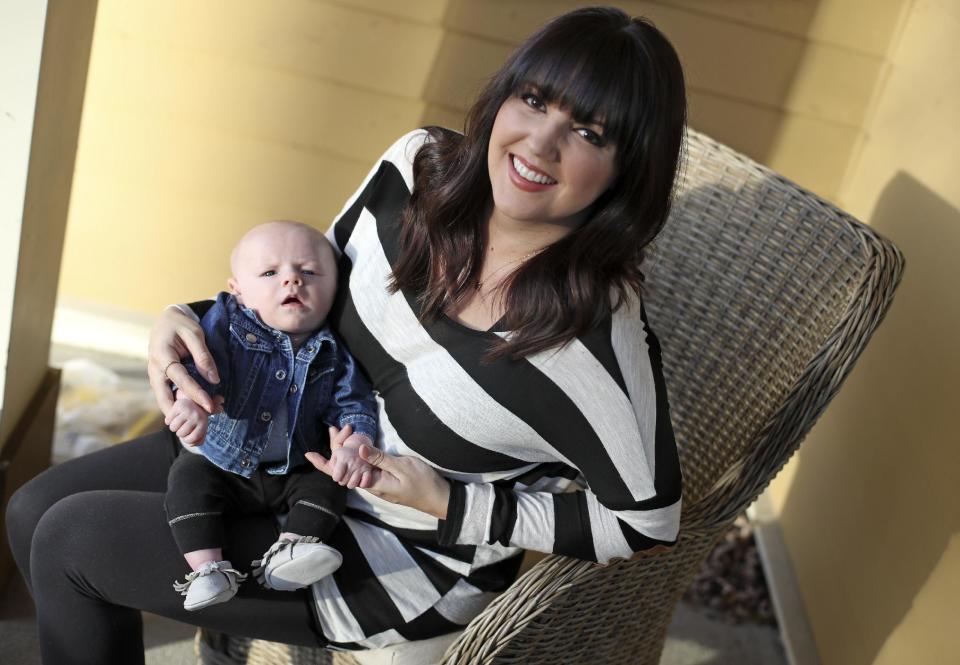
250, 338
320, 380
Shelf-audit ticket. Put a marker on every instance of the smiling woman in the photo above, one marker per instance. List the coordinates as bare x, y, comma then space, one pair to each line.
563, 175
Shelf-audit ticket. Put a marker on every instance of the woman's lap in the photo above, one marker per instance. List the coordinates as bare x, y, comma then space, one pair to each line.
95, 533
138, 465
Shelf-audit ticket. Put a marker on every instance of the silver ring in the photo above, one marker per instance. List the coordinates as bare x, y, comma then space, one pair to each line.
172, 362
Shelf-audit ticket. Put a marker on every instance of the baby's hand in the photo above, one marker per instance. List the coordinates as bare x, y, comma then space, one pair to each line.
349, 468
187, 420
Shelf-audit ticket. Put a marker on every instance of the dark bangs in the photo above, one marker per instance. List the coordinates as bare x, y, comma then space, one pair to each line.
589, 67
587, 82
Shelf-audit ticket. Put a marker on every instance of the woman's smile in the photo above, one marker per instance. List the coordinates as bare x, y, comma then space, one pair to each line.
528, 177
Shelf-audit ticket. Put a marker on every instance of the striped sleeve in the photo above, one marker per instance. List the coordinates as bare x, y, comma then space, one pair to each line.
635, 506
401, 152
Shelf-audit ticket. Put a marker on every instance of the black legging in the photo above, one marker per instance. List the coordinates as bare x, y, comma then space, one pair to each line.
91, 539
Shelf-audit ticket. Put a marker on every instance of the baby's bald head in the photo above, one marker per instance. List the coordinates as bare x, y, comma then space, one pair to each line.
287, 273
254, 239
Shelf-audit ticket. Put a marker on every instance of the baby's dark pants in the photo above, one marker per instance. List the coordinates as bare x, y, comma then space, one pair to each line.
199, 494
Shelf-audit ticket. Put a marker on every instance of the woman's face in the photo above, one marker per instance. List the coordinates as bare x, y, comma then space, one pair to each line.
546, 167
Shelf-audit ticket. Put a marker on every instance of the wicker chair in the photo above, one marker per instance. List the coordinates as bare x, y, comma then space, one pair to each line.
763, 296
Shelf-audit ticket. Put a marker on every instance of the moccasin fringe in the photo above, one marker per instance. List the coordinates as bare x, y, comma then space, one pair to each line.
259, 566
207, 569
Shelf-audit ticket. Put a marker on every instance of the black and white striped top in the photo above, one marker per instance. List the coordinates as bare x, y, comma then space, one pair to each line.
568, 451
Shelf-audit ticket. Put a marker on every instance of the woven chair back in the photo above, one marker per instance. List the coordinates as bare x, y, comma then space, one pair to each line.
747, 280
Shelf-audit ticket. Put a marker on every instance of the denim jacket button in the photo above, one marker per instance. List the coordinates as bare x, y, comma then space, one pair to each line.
265, 416
293, 388
251, 338
281, 375
245, 462
311, 348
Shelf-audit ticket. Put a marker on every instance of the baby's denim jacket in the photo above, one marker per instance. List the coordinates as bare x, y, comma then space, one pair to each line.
259, 374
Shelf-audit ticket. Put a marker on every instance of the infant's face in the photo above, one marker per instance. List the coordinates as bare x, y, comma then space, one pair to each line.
286, 276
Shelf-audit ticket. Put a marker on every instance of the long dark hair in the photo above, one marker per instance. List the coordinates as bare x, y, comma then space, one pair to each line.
597, 63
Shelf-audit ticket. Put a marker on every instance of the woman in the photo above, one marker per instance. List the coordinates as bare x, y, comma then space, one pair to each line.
533, 222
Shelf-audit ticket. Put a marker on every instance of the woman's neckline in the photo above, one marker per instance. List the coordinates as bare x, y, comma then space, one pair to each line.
497, 326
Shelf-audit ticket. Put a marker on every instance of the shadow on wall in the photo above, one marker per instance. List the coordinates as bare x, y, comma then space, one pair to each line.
873, 504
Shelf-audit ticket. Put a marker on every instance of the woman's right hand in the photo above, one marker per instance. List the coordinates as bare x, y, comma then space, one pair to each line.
176, 336
402, 479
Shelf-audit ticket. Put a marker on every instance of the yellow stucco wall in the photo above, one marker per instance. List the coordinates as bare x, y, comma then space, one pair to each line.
871, 508
203, 119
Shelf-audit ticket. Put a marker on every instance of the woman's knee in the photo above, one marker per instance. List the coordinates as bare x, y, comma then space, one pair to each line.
23, 512
65, 528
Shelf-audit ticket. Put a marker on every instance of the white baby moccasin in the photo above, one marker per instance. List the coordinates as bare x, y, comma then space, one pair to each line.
294, 564
215, 582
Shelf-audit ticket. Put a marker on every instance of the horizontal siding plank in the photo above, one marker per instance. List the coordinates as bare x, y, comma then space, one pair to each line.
196, 190
195, 162
757, 65
425, 11
830, 22
745, 127
825, 21
809, 151
813, 153
180, 87
434, 114
464, 64
322, 40
834, 85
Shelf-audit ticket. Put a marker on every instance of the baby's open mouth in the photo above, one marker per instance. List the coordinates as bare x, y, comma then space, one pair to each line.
291, 300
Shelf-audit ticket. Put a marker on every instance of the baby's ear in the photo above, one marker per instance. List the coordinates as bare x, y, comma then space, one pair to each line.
234, 287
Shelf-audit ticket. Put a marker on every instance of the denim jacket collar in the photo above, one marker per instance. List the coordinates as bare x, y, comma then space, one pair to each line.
314, 342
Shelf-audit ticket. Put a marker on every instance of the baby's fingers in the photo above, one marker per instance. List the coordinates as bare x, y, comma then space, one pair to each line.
355, 478
366, 479
175, 421
193, 438
338, 436
339, 470
185, 430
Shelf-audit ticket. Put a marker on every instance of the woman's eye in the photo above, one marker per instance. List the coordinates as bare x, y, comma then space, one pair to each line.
533, 101
269, 273
592, 137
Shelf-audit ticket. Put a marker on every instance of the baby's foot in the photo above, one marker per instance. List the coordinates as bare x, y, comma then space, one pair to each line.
292, 564
215, 582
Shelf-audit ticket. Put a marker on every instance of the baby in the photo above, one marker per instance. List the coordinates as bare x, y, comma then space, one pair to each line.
283, 374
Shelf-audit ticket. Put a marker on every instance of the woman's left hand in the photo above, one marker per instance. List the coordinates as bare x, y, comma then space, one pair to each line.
402, 479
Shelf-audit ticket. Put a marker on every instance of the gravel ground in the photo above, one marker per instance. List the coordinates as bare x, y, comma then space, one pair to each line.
731, 586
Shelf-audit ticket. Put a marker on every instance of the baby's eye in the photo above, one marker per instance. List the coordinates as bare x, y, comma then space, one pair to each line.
533, 100
592, 137
308, 272
268, 273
